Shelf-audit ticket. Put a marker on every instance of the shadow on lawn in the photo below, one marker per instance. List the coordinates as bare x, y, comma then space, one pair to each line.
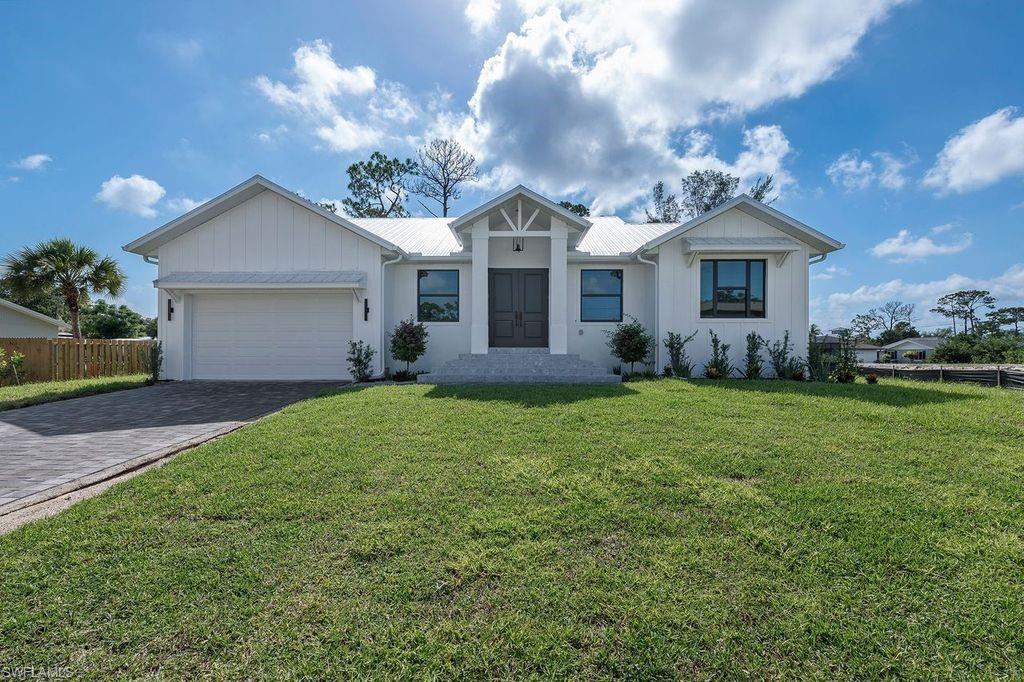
531, 395
882, 393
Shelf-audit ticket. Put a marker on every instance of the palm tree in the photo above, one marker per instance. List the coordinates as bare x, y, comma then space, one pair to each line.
61, 265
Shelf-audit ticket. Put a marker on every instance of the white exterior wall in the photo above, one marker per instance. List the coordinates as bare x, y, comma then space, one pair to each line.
267, 233
17, 325
588, 339
447, 339
786, 293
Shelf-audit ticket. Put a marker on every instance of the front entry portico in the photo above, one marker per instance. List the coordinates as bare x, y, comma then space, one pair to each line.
518, 308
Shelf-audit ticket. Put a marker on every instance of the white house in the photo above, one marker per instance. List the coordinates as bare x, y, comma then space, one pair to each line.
918, 349
19, 322
258, 283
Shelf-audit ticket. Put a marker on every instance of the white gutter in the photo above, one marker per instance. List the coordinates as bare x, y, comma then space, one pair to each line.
820, 257
657, 331
381, 305
152, 260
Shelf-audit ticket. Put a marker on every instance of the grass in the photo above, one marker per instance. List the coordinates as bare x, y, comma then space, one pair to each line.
655, 530
49, 391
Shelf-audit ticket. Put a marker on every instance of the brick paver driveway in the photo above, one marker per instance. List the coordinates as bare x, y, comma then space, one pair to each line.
48, 446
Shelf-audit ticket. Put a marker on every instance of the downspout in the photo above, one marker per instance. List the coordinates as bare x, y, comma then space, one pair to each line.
152, 260
657, 286
380, 305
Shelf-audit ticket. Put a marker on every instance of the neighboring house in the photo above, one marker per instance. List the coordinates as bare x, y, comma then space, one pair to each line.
920, 349
19, 322
864, 350
258, 283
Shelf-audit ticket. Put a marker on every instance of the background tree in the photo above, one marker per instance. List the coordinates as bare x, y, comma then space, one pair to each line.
1007, 316
705, 190
946, 308
708, 189
968, 303
666, 207
443, 166
378, 187
61, 265
899, 331
762, 189
45, 301
864, 325
579, 209
102, 320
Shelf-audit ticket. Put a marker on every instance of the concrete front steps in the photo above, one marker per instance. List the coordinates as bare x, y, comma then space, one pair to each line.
519, 366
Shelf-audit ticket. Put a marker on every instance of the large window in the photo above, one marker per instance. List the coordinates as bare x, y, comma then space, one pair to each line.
437, 296
601, 296
732, 288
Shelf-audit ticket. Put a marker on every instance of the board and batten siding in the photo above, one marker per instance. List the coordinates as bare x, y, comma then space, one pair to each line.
267, 233
786, 293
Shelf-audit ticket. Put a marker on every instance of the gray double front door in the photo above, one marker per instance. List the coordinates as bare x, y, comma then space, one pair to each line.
518, 307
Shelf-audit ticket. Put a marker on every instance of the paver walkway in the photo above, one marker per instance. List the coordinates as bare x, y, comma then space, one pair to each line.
47, 446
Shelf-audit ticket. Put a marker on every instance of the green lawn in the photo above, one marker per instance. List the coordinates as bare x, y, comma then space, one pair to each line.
48, 391
650, 530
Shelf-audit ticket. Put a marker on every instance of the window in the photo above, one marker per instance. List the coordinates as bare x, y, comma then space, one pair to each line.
732, 288
437, 295
601, 296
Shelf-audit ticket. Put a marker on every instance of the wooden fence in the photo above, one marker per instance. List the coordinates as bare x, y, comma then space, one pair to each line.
1003, 376
62, 359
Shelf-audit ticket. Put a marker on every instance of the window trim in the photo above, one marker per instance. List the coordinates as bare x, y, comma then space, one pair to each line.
713, 314
457, 294
622, 288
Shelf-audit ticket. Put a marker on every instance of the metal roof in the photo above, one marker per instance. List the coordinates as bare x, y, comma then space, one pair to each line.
427, 236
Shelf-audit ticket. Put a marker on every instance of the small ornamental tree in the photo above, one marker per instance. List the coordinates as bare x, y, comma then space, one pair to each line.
778, 354
680, 364
719, 366
630, 342
754, 365
409, 341
360, 359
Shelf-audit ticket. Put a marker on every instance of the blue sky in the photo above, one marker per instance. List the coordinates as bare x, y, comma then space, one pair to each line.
896, 127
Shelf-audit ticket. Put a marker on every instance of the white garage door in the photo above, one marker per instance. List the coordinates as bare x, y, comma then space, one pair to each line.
271, 335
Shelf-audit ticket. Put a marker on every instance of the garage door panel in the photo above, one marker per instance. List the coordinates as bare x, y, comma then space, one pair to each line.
271, 336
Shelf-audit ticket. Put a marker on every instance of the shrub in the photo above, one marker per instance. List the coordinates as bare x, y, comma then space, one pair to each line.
679, 364
719, 366
798, 374
845, 370
409, 342
753, 364
872, 378
778, 355
630, 342
819, 363
360, 360
994, 348
12, 366
404, 375
154, 362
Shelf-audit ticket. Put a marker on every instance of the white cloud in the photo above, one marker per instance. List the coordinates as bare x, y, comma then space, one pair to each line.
345, 135
587, 96
183, 204
905, 247
319, 80
271, 136
980, 154
135, 194
345, 108
851, 172
840, 307
32, 162
829, 272
480, 14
